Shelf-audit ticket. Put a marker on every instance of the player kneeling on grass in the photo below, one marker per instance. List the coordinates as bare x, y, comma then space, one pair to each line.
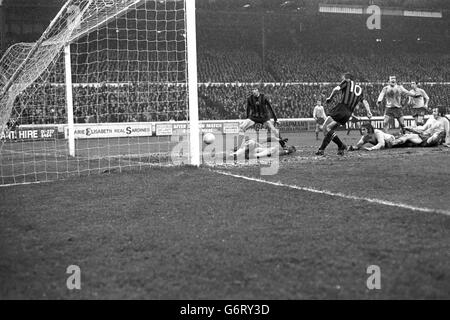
378, 138
251, 149
436, 131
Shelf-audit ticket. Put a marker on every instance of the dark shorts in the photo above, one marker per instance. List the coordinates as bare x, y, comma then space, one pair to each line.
340, 113
440, 140
419, 112
394, 112
320, 121
259, 120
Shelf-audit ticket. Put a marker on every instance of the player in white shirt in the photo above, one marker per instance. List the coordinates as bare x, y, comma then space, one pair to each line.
420, 104
376, 137
435, 131
320, 116
250, 149
393, 94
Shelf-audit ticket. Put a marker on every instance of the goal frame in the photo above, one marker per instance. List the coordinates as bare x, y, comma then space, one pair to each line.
190, 60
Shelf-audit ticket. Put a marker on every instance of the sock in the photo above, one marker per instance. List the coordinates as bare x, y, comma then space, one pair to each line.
326, 141
282, 142
338, 141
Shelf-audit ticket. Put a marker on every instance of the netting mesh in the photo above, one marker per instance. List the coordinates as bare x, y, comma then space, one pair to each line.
128, 65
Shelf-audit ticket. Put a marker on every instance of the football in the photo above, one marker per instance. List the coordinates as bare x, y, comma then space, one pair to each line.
209, 138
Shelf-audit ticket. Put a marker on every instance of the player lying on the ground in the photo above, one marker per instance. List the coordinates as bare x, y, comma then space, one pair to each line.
436, 131
252, 149
377, 138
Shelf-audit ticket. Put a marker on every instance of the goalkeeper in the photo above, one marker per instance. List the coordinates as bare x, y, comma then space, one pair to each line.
252, 149
259, 111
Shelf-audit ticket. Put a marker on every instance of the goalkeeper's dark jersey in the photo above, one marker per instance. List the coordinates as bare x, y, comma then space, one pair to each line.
259, 109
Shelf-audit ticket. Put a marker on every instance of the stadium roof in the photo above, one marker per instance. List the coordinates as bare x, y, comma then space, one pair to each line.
33, 3
272, 4
405, 4
269, 4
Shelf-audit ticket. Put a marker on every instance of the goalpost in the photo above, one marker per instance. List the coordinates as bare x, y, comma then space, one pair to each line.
102, 89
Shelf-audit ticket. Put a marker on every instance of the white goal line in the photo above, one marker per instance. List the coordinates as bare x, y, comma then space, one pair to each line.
338, 194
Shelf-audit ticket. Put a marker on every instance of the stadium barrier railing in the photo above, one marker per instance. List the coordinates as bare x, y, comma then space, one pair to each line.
167, 128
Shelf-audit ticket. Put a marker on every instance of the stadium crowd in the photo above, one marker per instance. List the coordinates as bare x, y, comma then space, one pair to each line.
141, 76
315, 64
320, 66
145, 103
102, 103
124, 87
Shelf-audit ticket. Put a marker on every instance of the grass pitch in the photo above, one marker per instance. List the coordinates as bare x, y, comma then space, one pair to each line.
186, 233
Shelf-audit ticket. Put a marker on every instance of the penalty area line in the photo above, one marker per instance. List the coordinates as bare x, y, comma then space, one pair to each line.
337, 194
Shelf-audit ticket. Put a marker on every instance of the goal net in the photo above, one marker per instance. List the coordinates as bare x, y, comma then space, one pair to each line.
102, 89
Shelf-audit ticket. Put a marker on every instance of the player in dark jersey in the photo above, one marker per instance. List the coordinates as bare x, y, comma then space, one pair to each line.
351, 97
259, 111
357, 124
